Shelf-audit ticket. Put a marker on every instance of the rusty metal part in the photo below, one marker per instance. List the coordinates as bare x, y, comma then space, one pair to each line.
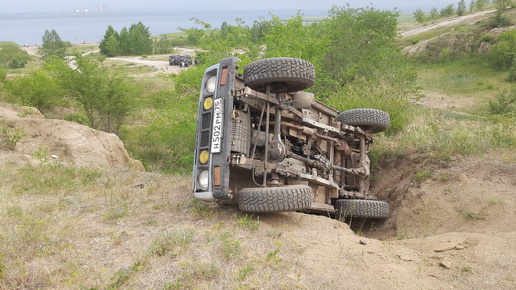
358, 171
309, 131
343, 147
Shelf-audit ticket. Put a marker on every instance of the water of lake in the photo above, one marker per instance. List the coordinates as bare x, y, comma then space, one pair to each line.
28, 29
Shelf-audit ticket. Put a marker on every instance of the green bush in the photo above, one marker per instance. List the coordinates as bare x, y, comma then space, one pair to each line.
16, 63
77, 118
512, 73
503, 104
180, 41
37, 89
487, 38
502, 54
12, 56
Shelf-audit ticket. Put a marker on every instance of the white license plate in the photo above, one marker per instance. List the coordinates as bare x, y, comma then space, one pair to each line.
218, 124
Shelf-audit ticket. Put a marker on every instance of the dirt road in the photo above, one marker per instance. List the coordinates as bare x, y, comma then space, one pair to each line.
161, 65
452, 21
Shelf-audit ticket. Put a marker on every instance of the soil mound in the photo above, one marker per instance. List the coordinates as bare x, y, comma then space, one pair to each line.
35, 139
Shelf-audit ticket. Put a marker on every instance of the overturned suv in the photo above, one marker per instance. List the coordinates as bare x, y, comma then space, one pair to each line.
265, 146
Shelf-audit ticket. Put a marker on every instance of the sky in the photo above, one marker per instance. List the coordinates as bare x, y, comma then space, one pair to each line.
41, 6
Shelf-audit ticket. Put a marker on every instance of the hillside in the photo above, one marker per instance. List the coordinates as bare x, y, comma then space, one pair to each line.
78, 212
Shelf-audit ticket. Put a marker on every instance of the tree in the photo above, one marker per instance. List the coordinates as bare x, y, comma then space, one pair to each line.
503, 53
419, 16
106, 97
113, 46
162, 45
472, 6
125, 44
434, 14
364, 46
110, 44
501, 20
292, 38
481, 4
218, 46
447, 11
259, 30
53, 45
461, 8
140, 39
136, 40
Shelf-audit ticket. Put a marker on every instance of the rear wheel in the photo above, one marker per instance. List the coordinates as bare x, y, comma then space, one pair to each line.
360, 208
368, 119
272, 199
284, 74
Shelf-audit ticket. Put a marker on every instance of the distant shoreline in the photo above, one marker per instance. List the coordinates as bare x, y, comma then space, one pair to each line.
29, 28
143, 13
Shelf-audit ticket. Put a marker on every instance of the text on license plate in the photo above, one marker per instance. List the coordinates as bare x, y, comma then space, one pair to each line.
218, 120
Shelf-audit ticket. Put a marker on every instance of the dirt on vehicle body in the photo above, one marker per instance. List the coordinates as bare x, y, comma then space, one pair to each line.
267, 146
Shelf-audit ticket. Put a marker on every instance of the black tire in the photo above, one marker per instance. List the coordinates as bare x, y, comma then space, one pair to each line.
284, 74
368, 119
273, 199
360, 208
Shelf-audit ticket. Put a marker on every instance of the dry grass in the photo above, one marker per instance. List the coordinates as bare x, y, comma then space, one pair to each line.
100, 229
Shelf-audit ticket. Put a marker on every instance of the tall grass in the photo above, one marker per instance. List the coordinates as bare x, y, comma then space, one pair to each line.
467, 77
437, 134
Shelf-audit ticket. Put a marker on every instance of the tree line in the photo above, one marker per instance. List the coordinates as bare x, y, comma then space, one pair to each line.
136, 40
462, 9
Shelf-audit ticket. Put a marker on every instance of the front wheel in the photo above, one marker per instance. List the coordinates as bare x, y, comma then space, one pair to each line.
360, 208
273, 199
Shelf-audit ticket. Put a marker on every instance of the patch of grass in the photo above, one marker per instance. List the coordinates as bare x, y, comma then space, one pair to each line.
272, 257
471, 214
10, 135
244, 272
121, 277
465, 270
432, 135
495, 200
52, 178
462, 78
117, 206
230, 246
202, 209
504, 103
247, 222
150, 222
195, 272
175, 285
422, 175
173, 243
402, 233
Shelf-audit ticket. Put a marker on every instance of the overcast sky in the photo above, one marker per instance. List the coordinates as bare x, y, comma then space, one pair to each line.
31, 6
